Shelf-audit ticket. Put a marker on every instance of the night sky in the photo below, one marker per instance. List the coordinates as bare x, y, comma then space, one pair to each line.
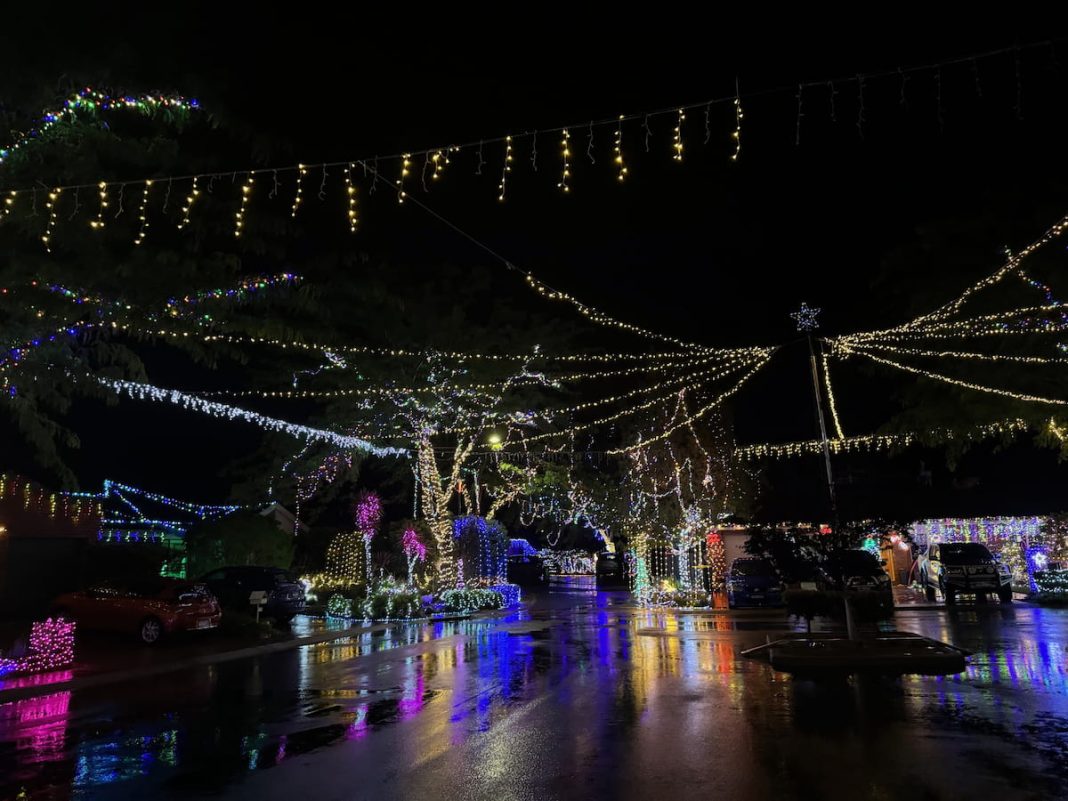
872, 216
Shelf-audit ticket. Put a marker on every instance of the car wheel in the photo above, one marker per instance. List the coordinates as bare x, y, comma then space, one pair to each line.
1005, 595
951, 596
151, 630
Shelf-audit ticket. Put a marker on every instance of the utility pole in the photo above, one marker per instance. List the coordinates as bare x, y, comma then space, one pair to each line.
807, 323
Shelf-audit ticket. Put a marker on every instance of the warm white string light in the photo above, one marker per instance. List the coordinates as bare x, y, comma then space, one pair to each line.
52, 205
565, 155
142, 215
102, 196
298, 195
737, 134
830, 396
689, 419
873, 442
350, 194
405, 169
190, 199
1020, 396
633, 410
506, 168
676, 140
621, 167
690, 379
956, 354
246, 196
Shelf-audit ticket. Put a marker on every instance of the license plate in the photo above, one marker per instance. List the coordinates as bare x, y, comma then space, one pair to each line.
204, 623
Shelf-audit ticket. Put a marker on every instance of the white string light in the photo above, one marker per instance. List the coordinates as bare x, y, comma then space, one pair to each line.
507, 168
53, 210
142, 391
690, 418
298, 195
142, 214
102, 196
830, 396
190, 199
1020, 396
246, 196
405, 169
873, 442
350, 193
738, 116
621, 167
676, 140
565, 154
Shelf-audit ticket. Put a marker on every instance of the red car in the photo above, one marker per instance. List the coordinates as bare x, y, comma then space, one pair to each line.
148, 608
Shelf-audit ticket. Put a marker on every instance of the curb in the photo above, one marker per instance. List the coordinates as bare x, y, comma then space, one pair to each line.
117, 676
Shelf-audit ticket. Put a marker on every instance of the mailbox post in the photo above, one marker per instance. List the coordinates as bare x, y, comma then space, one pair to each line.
258, 599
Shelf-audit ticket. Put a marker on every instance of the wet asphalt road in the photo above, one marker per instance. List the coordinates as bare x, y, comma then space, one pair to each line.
574, 698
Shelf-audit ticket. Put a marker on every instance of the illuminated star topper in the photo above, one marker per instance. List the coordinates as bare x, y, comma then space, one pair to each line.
806, 317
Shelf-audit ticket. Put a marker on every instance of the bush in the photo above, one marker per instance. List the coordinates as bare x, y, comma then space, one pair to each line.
339, 605
393, 604
470, 600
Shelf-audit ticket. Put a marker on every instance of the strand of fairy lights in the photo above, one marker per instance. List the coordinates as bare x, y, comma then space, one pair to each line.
298, 196
190, 199
52, 205
142, 391
955, 354
461, 356
629, 411
830, 396
142, 214
1020, 396
870, 442
690, 379
621, 167
246, 196
676, 137
658, 368
690, 418
507, 168
735, 100
565, 156
352, 216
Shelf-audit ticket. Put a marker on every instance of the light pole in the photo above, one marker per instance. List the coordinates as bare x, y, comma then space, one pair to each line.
806, 324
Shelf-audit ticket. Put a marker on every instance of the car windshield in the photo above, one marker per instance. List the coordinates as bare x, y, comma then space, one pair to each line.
752, 567
965, 553
282, 577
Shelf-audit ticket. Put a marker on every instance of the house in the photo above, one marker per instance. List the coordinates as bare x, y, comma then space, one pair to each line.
44, 536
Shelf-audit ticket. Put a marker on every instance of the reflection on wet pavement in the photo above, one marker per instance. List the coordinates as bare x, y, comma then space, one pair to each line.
576, 698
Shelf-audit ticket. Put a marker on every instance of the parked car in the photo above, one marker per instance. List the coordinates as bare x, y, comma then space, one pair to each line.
860, 571
527, 570
148, 609
956, 567
233, 586
610, 570
752, 581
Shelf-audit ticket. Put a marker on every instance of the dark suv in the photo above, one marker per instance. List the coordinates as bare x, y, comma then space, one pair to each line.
955, 567
233, 586
861, 572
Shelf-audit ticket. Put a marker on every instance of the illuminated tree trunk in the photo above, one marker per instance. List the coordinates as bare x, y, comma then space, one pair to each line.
436, 493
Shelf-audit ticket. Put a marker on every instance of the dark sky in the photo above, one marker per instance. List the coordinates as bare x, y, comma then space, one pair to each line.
869, 221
